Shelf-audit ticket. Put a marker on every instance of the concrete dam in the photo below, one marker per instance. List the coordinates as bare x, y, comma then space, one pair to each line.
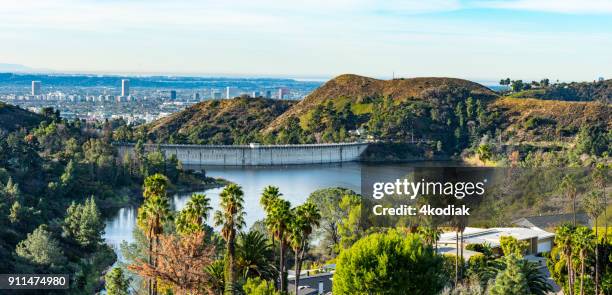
254, 154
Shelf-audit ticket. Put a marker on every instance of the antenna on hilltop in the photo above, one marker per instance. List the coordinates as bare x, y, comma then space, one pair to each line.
393, 76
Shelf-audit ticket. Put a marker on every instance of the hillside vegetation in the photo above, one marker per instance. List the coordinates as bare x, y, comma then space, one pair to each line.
418, 118
575, 91
13, 118
534, 120
227, 121
362, 93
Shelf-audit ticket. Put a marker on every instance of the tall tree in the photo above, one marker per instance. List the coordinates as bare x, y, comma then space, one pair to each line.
231, 220
268, 198
564, 237
83, 223
568, 184
277, 221
594, 205
154, 212
306, 217
583, 241
601, 176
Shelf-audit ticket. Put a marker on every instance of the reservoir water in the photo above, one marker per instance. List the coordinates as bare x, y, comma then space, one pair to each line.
295, 183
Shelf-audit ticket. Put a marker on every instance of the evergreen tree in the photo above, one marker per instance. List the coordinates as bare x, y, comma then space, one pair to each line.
41, 248
116, 283
510, 281
68, 176
470, 108
83, 223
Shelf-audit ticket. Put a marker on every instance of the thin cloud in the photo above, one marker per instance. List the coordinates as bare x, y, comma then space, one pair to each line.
555, 6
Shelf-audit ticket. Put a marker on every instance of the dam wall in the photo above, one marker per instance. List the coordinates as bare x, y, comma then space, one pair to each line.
254, 154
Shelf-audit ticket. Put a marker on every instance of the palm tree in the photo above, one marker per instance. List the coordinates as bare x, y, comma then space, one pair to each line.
306, 217
231, 218
600, 178
277, 221
253, 254
537, 282
193, 217
268, 198
154, 212
594, 206
568, 184
460, 224
564, 240
583, 241
217, 280
155, 185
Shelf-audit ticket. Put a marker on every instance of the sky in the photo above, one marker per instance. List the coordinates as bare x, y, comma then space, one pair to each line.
568, 40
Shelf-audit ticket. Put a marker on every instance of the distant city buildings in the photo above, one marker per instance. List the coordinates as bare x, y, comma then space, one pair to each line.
601, 79
282, 92
99, 101
36, 85
125, 87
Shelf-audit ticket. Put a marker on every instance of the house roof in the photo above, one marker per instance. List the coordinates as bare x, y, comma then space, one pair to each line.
553, 220
310, 283
473, 235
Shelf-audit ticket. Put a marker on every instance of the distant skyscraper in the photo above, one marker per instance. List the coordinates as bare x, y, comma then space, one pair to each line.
196, 96
216, 94
282, 92
35, 87
227, 92
125, 87
172, 94
256, 94
268, 94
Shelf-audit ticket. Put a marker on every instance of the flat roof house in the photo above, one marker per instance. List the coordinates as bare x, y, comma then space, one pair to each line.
539, 240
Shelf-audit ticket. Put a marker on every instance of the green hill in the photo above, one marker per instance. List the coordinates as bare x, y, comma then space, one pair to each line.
363, 92
227, 121
13, 118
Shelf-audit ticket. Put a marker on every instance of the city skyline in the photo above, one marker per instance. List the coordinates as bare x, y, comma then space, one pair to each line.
476, 40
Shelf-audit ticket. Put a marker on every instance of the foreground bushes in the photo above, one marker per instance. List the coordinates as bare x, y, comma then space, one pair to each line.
389, 263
